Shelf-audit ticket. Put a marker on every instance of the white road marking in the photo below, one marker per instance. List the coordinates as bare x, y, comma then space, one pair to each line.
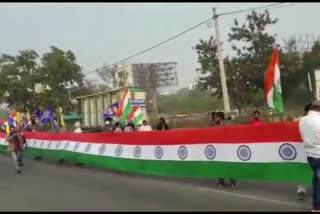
251, 197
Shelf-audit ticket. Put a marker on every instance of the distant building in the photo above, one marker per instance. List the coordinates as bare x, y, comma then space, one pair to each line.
168, 91
192, 86
124, 76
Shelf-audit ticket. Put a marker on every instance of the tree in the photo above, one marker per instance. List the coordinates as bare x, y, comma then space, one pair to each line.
27, 83
108, 75
244, 71
60, 76
311, 62
18, 77
291, 73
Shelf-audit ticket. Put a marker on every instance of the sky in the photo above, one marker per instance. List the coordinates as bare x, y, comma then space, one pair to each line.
103, 33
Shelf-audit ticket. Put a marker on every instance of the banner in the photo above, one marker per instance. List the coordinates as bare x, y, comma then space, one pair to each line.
271, 152
111, 111
139, 102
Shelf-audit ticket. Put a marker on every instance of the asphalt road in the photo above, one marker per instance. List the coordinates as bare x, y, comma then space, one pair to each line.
49, 186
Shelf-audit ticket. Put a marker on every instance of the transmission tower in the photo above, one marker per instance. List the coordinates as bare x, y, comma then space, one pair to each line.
305, 41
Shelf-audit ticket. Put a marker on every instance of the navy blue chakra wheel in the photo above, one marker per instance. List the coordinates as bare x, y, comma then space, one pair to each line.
244, 153
183, 152
287, 152
158, 152
102, 149
119, 151
210, 152
87, 149
137, 152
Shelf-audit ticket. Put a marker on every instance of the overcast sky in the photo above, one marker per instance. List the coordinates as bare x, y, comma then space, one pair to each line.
101, 33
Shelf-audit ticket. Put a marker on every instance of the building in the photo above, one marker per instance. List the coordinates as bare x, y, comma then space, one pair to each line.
93, 105
192, 85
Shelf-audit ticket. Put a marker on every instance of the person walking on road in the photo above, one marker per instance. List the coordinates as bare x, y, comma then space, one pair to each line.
14, 148
309, 127
23, 146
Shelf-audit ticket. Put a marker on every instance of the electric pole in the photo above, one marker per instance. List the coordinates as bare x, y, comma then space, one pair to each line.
221, 65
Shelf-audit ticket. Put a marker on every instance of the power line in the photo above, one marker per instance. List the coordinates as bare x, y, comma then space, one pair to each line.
188, 30
251, 9
161, 43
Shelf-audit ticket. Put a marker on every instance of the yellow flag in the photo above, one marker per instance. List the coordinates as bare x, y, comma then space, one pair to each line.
28, 116
7, 129
61, 117
19, 118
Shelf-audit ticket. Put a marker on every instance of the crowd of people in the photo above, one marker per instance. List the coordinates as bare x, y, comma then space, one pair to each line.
111, 126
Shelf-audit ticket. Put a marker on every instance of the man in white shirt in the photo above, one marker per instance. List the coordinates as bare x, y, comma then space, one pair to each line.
145, 127
78, 129
309, 127
302, 190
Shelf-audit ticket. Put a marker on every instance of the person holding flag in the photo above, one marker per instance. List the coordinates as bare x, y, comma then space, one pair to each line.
136, 115
127, 112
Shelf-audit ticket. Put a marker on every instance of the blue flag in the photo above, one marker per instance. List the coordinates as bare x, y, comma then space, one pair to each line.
46, 116
24, 122
36, 114
9, 119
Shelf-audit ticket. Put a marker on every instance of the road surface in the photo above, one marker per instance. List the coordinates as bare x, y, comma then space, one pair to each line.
50, 186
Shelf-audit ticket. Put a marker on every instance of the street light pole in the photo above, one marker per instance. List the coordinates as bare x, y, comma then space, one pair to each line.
221, 65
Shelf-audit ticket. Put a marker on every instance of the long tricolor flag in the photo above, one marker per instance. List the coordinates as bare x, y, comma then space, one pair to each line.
125, 107
272, 84
272, 152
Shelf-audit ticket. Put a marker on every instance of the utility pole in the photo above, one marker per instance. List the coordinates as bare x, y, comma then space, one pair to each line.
310, 87
221, 65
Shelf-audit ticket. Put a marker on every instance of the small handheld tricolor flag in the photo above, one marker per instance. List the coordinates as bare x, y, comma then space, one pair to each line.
136, 115
272, 84
125, 107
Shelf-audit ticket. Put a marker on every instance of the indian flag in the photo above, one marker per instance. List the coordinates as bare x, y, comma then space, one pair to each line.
125, 107
136, 115
273, 92
270, 152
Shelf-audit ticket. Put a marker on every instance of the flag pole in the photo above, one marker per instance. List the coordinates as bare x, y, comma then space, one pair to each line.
52, 125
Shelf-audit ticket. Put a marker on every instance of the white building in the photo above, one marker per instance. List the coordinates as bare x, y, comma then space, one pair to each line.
192, 85
124, 75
